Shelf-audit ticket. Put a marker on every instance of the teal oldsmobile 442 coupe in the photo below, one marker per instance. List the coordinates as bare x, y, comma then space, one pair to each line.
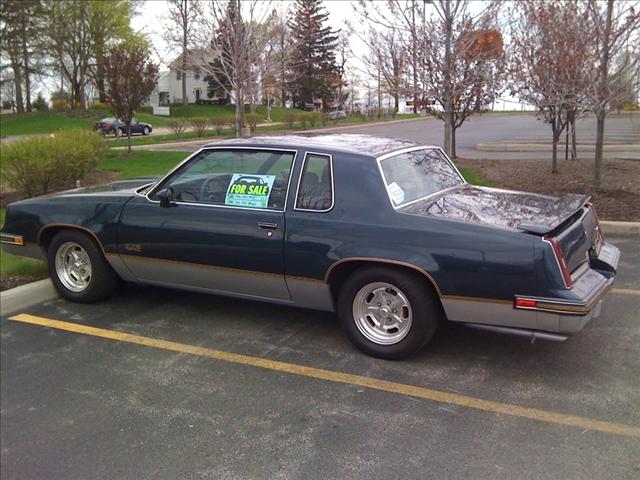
385, 232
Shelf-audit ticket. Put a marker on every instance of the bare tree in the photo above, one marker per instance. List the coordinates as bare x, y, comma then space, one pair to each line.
549, 52
452, 62
131, 78
231, 49
617, 70
184, 20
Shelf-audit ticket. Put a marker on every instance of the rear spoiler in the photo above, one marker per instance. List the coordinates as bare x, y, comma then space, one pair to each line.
565, 208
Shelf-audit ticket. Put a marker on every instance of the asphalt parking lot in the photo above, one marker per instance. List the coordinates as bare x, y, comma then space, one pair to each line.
207, 387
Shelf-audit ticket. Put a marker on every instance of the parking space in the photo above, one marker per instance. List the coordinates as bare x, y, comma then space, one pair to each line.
216, 388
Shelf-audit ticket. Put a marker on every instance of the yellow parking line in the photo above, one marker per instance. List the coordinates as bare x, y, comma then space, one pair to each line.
318, 373
625, 291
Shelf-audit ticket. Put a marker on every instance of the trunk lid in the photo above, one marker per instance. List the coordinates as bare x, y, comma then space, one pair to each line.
529, 212
568, 218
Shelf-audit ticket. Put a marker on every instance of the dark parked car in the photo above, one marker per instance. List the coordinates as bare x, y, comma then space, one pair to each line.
385, 232
117, 127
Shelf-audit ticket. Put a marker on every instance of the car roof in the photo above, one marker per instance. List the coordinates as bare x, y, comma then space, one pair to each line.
375, 146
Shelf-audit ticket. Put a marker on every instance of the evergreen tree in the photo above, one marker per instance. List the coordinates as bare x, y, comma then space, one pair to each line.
313, 64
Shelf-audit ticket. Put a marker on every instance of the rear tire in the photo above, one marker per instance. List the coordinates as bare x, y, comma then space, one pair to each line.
388, 313
78, 268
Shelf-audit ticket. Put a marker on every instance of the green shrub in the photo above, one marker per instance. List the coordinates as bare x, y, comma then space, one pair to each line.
39, 165
219, 122
200, 125
59, 104
289, 119
314, 118
252, 120
40, 104
324, 119
100, 106
177, 126
304, 119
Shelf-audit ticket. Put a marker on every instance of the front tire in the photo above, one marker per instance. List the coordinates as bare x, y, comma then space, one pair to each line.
78, 268
388, 313
146, 131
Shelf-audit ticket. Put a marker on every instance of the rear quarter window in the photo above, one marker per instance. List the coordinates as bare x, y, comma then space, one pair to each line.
315, 189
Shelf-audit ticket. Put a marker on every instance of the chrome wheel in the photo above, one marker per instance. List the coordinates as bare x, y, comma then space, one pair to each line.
73, 266
382, 313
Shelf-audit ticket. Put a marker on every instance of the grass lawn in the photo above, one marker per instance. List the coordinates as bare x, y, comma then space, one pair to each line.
12, 265
49, 122
473, 177
141, 163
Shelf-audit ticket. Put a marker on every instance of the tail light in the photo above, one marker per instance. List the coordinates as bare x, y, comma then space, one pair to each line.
525, 303
595, 215
562, 263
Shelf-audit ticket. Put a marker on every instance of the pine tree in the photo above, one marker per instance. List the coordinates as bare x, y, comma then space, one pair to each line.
313, 65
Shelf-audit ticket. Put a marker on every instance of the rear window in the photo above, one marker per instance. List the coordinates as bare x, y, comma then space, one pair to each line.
414, 175
315, 190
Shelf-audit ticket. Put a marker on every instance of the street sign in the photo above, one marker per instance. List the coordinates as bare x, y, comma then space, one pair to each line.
481, 45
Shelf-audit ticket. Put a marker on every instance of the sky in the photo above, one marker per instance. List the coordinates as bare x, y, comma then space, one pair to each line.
152, 21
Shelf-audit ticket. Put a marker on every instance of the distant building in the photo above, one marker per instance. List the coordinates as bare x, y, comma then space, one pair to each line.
168, 89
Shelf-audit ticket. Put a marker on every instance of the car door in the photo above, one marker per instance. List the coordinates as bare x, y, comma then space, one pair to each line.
223, 230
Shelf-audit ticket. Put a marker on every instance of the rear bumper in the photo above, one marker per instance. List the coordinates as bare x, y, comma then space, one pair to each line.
564, 316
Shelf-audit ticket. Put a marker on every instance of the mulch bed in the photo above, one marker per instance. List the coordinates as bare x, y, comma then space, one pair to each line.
10, 281
617, 199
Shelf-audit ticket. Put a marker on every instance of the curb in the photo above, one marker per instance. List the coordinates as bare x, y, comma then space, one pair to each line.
545, 147
620, 228
25, 296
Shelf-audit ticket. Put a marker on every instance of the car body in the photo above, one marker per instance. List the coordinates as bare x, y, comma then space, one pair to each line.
112, 125
337, 115
384, 231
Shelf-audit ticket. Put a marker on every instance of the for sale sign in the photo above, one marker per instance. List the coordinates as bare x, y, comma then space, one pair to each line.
247, 190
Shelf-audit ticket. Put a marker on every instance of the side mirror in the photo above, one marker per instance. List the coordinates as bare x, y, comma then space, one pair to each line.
166, 197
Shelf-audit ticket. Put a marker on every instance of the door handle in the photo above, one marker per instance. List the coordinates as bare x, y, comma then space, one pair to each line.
268, 225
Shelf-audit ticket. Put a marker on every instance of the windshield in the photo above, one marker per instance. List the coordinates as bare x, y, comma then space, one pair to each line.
413, 175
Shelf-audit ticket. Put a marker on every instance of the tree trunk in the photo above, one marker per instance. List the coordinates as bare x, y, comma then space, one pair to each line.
453, 143
129, 137
27, 81
574, 146
185, 45
601, 111
239, 111
17, 78
554, 150
599, 147
396, 102
102, 97
448, 94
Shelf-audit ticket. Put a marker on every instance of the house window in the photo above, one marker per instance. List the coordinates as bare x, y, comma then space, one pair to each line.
197, 74
178, 75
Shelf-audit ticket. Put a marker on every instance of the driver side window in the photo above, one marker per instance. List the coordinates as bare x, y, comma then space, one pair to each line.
236, 178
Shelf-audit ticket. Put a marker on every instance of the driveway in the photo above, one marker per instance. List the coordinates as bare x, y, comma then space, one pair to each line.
494, 129
164, 384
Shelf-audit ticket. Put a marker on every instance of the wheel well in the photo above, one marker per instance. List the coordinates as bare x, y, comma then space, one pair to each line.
338, 275
47, 233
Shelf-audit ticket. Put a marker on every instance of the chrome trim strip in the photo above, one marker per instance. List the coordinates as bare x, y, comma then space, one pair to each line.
413, 149
11, 239
227, 147
333, 196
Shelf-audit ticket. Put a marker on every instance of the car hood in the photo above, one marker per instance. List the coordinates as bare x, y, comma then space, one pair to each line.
507, 209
